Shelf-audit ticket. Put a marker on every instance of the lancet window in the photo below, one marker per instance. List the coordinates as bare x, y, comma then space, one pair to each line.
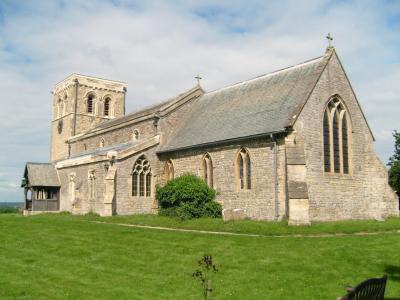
207, 169
336, 132
243, 165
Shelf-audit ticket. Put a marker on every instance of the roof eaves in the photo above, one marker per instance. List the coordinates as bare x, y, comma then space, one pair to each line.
214, 143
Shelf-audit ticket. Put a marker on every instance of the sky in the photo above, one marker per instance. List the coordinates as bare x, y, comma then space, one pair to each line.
158, 47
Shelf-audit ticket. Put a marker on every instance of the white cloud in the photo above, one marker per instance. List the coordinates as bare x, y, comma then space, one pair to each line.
157, 47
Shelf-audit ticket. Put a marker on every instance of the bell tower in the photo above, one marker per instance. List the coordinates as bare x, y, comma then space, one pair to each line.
80, 103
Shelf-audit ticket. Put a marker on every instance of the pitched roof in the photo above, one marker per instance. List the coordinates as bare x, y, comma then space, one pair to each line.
263, 105
150, 110
41, 174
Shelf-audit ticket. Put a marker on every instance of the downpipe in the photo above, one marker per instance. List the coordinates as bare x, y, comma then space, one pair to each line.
273, 138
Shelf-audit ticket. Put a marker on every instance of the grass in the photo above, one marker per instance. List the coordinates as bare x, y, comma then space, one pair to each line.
255, 227
67, 257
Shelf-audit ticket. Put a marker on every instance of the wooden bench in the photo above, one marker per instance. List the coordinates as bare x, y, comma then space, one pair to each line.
370, 289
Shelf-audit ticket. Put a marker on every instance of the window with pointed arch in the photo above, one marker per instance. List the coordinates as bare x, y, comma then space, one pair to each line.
169, 170
141, 178
90, 104
207, 170
102, 142
243, 166
336, 134
107, 107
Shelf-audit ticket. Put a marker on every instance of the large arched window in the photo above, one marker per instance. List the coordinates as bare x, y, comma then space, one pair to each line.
243, 166
90, 104
169, 171
107, 107
207, 169
141, 178
336, 137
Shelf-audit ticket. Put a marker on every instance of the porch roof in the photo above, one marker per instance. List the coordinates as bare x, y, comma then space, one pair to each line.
41, 174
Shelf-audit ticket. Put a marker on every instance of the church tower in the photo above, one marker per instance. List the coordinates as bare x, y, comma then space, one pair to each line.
79, 104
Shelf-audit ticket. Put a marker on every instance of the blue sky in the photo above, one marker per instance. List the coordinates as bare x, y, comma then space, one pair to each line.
157, 47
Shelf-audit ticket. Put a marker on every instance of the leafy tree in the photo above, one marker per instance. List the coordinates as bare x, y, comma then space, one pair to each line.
394, 163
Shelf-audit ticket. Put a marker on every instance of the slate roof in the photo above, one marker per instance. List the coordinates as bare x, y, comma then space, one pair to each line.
150, 110
104, 150
41, 174
263, 105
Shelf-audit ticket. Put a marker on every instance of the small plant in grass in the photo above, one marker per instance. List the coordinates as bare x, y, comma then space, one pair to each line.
187, 197
206, 268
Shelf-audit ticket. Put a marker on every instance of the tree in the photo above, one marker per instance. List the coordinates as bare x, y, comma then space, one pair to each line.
394, 163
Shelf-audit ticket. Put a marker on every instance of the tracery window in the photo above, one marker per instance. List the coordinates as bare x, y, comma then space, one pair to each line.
207, 170
243, 172
336, 137
107, 108
90, 104
169, 171
141, 178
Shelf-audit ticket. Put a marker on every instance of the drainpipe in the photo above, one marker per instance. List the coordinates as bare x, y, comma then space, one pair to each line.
275, 177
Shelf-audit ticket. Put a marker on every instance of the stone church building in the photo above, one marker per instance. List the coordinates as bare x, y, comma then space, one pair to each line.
291, 144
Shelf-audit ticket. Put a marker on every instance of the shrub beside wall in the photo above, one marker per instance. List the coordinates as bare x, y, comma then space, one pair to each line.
187, 197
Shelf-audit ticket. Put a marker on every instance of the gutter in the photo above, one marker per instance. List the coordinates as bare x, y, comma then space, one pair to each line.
242, 138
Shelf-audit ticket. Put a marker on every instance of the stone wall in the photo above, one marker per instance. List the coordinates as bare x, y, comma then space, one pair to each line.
259, 201
364, 193
73, 124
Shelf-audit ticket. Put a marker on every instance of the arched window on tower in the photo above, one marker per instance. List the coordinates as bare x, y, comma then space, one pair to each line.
107, 107
90, 104
336, 131
207, 170
243, 166
141, 178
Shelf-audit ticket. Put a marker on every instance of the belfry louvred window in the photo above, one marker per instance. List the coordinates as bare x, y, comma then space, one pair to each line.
107, 103
141, 178
336, 132
90, 104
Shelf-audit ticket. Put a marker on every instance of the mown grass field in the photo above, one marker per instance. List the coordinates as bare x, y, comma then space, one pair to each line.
66, 257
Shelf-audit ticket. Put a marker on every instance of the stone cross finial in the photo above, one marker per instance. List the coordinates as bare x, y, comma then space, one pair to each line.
330, 39
198, 78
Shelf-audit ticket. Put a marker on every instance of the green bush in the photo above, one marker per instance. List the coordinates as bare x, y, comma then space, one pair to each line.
187, 197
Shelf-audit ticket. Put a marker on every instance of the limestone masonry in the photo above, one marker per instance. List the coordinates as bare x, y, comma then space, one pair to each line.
291, 144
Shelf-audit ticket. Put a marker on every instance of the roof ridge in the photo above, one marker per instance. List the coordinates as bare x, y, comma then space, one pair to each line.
268, 74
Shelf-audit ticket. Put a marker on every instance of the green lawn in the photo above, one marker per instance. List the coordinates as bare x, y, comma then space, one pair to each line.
255, 227
66, 257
